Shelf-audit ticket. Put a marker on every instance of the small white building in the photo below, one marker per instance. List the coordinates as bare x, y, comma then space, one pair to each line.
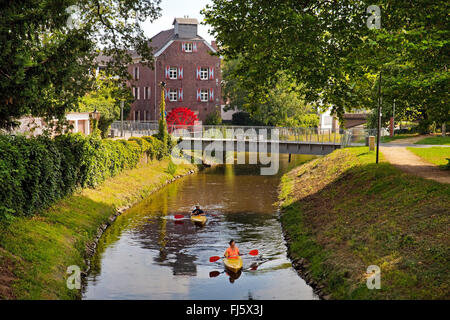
80, 121
33, 126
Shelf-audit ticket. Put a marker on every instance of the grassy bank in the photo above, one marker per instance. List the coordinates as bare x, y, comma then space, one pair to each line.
386, 139
342, 213
437, 140
434, 155
36, 251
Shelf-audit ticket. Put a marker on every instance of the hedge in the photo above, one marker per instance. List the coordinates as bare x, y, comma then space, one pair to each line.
35, 172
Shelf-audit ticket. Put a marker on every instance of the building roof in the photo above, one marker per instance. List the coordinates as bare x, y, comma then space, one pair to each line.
185, 21
161, 40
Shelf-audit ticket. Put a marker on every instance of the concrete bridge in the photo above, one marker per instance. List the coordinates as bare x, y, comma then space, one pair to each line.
267, 146
261, 139
286, 140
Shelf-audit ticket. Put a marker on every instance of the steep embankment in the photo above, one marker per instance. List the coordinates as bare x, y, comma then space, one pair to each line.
36, 251
342, 213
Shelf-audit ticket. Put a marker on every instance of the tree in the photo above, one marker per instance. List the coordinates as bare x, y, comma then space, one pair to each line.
233, 92
163, 134
48, 57
284, 106
105, 98
328, 47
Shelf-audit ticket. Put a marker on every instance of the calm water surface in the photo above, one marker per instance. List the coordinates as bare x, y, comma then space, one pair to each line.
147, 254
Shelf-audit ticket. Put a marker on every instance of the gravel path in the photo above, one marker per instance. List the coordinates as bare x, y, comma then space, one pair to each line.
409, 162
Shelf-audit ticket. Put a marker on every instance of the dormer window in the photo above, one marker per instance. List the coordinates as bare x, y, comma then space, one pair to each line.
188, 47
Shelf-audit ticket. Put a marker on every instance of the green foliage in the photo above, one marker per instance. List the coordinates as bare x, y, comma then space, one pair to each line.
163, 133
282, 104
105, 97
35, 172
243, 119
327, 46
171, 168
213, 119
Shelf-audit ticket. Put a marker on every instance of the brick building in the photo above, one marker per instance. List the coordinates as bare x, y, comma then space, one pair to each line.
183, 61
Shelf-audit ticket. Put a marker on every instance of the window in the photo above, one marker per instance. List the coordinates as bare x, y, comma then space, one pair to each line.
173, 72
203, 73
146, 93
136, 73
136, 115
147, 115
136, 93
172, 94
188, 47
204, 95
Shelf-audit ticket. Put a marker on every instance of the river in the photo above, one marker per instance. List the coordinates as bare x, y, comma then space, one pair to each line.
147, 254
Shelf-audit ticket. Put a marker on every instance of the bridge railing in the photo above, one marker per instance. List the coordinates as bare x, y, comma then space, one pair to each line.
294, 134
315, 135
134, 128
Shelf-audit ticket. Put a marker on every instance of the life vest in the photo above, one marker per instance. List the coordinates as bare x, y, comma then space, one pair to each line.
233, 253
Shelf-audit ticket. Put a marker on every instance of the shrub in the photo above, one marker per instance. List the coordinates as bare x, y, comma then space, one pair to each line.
172, 168
213, 118
35, 172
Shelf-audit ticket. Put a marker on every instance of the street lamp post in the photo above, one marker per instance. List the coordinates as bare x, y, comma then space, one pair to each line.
379, 117
121, 118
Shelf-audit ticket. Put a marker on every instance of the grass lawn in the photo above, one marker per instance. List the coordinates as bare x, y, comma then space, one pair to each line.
438, 140
343, 213
434, 155
36, 251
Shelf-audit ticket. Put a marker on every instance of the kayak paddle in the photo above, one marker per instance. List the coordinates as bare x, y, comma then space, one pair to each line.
216, 273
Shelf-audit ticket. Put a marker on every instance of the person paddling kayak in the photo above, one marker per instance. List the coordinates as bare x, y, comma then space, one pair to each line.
232, 251
197, 211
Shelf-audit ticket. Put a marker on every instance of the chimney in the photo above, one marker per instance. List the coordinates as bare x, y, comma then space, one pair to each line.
185, 28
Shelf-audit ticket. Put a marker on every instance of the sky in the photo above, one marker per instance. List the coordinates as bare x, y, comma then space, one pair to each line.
178, 9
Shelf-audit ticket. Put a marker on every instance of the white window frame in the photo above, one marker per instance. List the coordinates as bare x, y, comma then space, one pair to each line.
188, 47
204, 95
173, 94
136, 73
204, 73
173, 73
146, 93
136, 93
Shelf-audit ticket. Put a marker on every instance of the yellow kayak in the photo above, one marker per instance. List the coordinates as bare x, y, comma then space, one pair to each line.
233, 264
198, 219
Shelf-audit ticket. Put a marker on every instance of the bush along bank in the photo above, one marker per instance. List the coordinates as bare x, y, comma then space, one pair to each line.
343, 213
38, 243
35, 172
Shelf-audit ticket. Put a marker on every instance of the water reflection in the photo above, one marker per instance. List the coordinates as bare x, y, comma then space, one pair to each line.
147, 254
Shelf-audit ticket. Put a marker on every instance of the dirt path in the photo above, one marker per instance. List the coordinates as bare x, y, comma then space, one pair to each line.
409, 162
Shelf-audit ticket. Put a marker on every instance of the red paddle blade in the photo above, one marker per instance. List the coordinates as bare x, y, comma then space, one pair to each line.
178, 216
213, 274
253, 252
214, 259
